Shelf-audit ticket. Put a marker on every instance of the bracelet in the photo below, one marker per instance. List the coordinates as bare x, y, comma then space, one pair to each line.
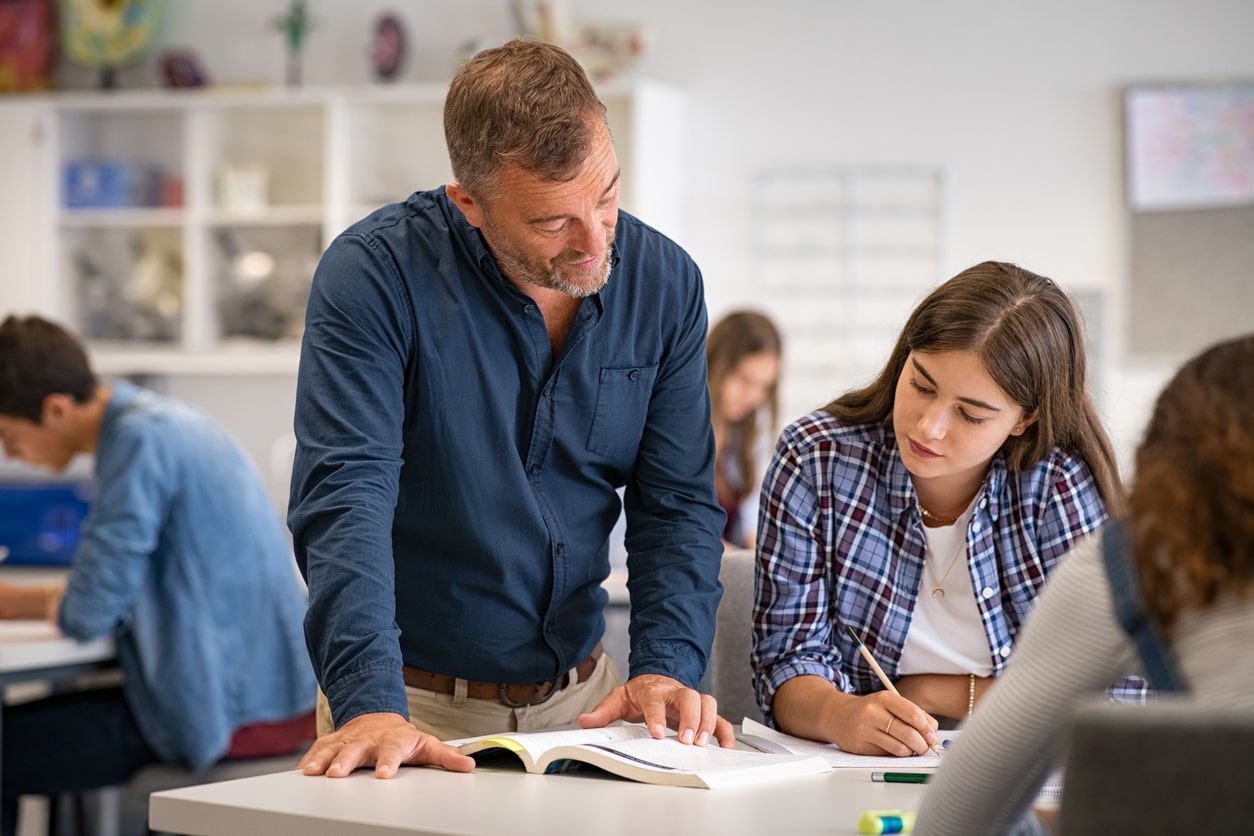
971, 696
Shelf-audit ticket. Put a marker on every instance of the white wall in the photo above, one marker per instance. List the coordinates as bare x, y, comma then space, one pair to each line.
1017, 101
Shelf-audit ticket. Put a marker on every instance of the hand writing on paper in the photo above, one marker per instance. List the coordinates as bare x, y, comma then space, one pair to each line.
383, 740
883, 723
658, 701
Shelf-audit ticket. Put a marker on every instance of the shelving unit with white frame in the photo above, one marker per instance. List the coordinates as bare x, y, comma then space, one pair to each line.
319, 159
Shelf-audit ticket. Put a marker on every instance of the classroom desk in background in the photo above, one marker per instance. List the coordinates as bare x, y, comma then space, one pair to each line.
36, 651
425, 801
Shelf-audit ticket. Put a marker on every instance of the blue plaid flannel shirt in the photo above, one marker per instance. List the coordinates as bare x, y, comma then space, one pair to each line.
841, 543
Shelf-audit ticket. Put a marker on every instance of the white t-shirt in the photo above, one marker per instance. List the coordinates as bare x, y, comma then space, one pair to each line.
946, 633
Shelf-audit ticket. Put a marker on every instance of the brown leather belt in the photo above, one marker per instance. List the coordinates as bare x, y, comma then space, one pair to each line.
515, 695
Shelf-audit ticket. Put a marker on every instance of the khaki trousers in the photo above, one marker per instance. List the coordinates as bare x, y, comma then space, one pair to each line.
451, 716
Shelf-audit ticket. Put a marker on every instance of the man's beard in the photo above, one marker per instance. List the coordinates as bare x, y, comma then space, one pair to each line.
550, 275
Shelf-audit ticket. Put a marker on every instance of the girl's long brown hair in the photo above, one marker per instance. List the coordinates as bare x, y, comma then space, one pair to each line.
1191, 521
1030, 338
738, 335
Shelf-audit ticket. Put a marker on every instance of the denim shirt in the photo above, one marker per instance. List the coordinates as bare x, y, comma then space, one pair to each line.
841, 543
184, 561
454, 481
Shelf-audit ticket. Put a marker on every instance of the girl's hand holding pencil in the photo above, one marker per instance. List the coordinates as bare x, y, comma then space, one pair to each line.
898, 717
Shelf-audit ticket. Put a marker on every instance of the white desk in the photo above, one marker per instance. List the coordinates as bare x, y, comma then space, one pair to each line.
32, 651
423, 801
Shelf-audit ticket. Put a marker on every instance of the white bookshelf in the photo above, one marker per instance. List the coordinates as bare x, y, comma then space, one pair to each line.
329, 156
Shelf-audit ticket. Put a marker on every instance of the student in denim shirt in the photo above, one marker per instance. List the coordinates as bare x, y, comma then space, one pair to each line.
483, 366
182, 559
925, 511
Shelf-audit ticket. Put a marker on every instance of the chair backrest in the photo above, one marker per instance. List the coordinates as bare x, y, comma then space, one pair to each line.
730, 679
1167, 767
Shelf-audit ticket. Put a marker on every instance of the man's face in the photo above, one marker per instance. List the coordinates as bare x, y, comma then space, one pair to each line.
554, 235
42, 445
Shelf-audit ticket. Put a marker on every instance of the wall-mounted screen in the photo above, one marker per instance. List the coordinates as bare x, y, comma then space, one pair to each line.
1189, 145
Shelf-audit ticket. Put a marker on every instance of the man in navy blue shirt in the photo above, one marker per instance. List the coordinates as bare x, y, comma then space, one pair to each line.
483, 366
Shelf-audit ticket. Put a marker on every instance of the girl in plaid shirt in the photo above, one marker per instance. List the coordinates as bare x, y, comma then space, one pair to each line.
925, 511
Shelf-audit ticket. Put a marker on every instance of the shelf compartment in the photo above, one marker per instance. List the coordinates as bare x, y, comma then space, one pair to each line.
259, 279
129, 283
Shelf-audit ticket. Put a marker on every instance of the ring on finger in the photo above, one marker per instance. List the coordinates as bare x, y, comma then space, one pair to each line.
889, 727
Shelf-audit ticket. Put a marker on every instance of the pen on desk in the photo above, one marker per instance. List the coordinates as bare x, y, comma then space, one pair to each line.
901, 777
875, 666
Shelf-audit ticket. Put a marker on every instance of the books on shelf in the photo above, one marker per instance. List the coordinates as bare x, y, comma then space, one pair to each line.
628, 751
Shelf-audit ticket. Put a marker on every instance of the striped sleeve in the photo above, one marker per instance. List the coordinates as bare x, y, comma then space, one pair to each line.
1071, 649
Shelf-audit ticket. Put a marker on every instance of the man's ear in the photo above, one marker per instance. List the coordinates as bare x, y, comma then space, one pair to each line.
57, 409
1025, 422
463, 201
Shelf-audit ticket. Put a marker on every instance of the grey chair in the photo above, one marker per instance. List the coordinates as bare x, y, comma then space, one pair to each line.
729, 677
1169, 767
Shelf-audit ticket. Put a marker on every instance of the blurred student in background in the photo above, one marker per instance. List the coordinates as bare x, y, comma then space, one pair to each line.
1183, 557
182, 559
924, 511
743, 355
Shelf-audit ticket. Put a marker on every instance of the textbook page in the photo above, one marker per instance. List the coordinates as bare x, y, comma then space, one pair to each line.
531, 746
770, 740
631, 752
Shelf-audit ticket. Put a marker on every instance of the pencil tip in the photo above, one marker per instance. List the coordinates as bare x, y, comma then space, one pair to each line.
853, 635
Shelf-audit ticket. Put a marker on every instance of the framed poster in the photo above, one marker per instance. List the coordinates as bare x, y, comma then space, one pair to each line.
1189, 146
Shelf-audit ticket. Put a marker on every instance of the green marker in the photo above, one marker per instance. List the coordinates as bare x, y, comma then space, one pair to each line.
901, 777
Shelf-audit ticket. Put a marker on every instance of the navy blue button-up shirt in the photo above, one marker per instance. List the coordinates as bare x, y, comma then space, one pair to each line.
455, 482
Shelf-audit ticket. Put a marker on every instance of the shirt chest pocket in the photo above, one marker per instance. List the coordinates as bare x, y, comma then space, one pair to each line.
622, 406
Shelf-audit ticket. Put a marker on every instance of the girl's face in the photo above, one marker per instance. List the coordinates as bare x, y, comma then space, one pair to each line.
746, 387
951, 418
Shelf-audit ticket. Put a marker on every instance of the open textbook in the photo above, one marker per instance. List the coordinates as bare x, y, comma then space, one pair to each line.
767, 739
630, 752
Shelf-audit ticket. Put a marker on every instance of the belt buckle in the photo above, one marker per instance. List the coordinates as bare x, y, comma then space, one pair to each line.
503, 693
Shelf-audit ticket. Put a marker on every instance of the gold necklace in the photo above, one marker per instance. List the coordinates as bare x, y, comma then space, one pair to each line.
937, 518
938, 591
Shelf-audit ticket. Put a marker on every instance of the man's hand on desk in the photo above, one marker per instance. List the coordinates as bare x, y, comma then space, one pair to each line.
655, 699
384, 740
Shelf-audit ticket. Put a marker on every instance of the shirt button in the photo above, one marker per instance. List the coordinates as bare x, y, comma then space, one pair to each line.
561, 548
984, 502
1005, 651
530, 309
634, 374
987, 592
975, 526
550, 628
534, 469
